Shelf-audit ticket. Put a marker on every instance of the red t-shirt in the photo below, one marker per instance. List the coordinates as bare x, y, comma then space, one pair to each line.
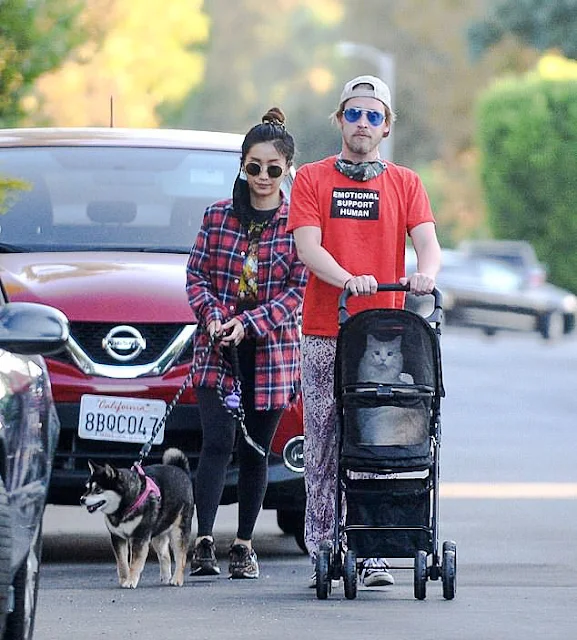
364, 227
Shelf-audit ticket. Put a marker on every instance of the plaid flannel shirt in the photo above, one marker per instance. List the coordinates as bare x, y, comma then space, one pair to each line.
212, 280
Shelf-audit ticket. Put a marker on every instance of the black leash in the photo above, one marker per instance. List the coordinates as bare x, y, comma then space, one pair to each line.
231, 402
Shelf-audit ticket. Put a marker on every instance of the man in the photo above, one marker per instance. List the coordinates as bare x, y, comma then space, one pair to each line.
350, 215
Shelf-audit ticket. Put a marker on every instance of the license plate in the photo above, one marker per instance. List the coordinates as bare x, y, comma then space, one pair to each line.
120, 419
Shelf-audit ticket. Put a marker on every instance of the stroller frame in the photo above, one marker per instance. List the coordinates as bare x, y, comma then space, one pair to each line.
393, 482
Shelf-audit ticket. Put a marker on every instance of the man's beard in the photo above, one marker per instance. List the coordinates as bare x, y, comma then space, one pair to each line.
362, 145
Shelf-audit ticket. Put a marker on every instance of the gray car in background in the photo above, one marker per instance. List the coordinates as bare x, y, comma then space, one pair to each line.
498, 294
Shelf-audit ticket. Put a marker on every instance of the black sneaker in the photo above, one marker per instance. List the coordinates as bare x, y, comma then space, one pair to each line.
203, 562
243, 562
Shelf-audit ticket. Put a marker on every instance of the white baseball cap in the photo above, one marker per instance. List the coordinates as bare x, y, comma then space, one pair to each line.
377, 89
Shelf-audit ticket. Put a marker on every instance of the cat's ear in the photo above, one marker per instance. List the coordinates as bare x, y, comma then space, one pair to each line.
371, 340
397, 342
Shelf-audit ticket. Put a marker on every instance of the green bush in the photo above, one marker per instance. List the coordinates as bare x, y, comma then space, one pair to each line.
527, 135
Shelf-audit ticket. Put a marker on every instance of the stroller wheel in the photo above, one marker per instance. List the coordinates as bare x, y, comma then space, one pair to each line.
350, 575
420, 578
323, 571
449, 570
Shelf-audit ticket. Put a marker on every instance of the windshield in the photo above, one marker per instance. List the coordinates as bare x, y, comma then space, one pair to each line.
100, 198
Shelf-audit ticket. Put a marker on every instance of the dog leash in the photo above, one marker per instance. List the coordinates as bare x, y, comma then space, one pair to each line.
232, 402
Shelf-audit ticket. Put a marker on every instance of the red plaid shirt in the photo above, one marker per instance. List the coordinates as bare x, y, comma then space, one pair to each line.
212, 279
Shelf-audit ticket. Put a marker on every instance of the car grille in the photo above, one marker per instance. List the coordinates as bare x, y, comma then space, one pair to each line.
90, 335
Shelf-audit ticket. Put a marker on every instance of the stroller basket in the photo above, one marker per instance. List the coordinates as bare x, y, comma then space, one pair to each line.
397, 516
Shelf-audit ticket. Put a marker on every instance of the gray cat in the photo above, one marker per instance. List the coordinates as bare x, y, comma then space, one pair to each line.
382, 363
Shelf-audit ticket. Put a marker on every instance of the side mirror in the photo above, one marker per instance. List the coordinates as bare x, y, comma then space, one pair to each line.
29, 328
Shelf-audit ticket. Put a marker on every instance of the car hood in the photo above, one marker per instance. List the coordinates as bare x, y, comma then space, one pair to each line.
101, 286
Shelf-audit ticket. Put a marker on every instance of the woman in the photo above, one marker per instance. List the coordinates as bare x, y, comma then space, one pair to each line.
245, 286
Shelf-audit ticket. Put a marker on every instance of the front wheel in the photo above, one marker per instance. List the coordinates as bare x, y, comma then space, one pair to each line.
449, 569
323, 571
553, 326
20, 623
420, 575
350, 577
292, 522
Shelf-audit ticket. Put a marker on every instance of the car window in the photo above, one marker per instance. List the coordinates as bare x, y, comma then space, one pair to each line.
87, 198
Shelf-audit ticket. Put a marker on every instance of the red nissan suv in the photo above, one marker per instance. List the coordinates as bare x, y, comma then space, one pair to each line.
99, 223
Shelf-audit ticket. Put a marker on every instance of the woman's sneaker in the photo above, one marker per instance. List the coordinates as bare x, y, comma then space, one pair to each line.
373, 573
203, 562
243, 562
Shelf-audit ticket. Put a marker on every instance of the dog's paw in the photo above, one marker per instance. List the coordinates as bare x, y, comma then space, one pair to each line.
129, 584
176, 581
165, 579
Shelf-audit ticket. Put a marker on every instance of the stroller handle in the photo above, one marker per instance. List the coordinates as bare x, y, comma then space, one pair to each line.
434, 317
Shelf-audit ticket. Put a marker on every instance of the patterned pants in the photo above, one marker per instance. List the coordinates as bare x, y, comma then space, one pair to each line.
320, 445
320, 452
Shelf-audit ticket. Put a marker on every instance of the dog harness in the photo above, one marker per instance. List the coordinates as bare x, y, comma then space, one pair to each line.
150, 488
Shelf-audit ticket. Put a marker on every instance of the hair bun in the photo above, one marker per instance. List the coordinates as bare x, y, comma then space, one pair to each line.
274, 116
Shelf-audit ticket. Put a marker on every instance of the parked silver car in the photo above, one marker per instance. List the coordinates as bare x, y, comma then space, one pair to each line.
493, 295
29, 431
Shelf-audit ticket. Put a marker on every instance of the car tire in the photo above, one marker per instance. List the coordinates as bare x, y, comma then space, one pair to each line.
5, 555
292, 522
20, 622
552, 325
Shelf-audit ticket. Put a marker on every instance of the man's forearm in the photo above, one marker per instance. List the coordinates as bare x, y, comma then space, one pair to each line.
324, 266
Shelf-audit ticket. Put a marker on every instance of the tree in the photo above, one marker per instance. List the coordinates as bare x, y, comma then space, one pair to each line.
35, 37
528, 142
256, 58
140, 54
542, 24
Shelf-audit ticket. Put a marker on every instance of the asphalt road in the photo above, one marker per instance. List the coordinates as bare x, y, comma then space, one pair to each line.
508, 496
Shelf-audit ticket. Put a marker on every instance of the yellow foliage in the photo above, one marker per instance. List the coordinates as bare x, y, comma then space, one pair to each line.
554, 66
321, 80
9, 191
141, 56
329, 12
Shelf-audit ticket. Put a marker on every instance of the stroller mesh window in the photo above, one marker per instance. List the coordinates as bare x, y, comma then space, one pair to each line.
387, 376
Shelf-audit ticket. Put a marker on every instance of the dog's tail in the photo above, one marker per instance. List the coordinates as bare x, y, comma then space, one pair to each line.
176, 458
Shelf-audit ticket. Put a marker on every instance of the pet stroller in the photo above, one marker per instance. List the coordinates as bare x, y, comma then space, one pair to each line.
388, 439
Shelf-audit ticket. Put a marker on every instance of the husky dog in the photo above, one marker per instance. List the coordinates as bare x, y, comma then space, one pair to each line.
146, 505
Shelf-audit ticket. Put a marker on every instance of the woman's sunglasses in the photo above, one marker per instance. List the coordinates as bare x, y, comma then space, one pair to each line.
375, 118
254, 169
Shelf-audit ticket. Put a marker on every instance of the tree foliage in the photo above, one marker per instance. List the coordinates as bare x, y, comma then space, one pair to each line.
542, 24
528, 144
139, 54
256, 58
35, 37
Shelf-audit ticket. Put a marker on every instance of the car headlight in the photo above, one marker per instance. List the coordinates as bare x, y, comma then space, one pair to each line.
569, 303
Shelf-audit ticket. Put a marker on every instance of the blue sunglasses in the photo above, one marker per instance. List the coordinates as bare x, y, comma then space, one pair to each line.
375, 118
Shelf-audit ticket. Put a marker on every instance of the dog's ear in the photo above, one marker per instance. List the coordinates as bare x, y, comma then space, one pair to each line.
92, 466
110, 471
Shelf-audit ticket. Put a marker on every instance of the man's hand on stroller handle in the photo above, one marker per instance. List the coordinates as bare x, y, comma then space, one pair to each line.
364, 285
419, 284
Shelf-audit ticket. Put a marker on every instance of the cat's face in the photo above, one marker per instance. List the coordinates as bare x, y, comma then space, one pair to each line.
384, 353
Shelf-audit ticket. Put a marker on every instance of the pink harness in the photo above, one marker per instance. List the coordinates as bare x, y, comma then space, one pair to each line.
150, 488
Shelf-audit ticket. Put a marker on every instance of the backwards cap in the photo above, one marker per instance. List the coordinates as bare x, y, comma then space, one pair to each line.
377, 89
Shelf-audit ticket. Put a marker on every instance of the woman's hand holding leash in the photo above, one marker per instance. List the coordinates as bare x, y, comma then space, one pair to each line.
214, 329
232, 332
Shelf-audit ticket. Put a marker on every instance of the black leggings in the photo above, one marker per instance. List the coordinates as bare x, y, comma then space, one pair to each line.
218, 433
